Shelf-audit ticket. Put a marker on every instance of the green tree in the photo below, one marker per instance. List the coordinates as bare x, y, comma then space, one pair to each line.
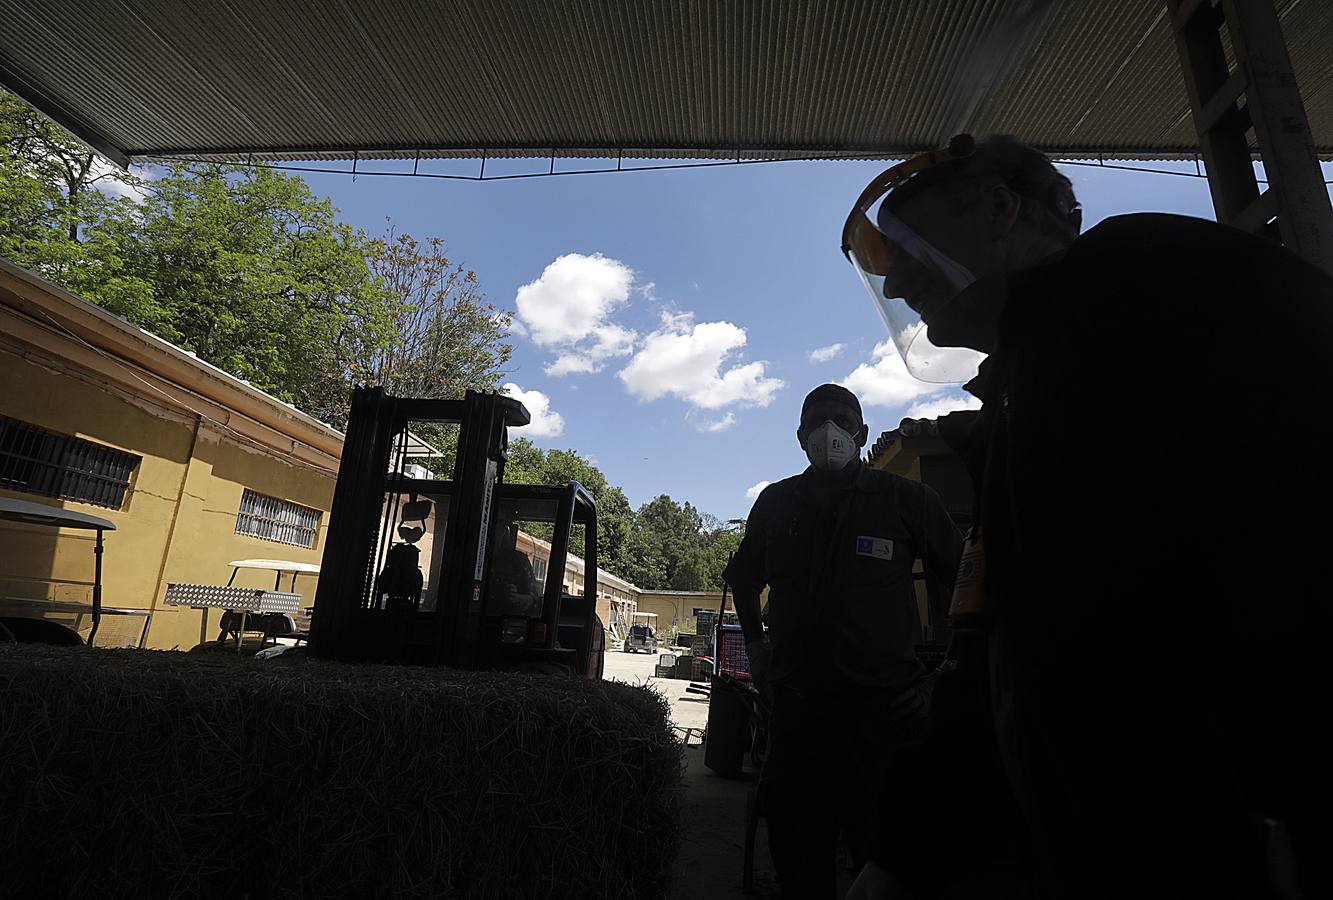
529, 464
720, 541
53, 218
257, 276
678, 530
446, 339
249, 270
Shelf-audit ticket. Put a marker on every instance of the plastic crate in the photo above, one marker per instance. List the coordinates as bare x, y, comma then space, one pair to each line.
731, 656
705, 622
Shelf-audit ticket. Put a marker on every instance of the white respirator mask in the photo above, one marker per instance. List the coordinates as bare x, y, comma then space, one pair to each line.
829, 448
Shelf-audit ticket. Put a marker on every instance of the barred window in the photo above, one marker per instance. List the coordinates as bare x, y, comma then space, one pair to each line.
277, 520
38, 461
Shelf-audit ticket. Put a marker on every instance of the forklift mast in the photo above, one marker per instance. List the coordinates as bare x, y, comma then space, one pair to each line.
370, 605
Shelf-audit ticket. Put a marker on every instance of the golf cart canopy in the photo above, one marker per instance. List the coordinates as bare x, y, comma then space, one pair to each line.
54, 516
261, 79
275, 565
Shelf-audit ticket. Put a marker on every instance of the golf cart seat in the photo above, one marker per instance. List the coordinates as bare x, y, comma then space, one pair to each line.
270, 625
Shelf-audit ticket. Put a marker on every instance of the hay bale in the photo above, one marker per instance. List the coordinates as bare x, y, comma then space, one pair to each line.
155, 774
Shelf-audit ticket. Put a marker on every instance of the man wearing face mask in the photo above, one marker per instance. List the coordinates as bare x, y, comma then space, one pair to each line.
1145, 614
836, 545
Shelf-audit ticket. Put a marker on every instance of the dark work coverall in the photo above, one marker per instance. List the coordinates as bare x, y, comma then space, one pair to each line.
1153, 471
843, 623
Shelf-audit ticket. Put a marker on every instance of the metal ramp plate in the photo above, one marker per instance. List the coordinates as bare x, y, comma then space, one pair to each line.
200, 596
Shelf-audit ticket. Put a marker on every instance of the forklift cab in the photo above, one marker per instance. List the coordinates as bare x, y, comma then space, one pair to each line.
464, 571
530, 593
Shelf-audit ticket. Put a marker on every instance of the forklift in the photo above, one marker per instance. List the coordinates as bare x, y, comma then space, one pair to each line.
427, 571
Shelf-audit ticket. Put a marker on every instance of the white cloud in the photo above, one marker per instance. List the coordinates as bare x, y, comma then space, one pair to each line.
607, 341
886, 381
573, 296
933, 408
613, 340
686, 360
721, 424
568, 309
824, 354
108, 182
754, 490
545, 421
571, 364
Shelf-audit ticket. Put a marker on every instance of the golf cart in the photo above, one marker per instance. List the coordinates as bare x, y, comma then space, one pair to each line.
642, 633
38, 620
269, 614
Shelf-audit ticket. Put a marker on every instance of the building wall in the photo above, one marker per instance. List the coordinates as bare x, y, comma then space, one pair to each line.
676, 608
178, 520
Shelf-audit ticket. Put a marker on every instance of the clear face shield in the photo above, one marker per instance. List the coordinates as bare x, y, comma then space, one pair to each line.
906, 276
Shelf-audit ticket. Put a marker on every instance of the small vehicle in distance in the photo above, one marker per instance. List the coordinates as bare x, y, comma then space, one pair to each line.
642, 633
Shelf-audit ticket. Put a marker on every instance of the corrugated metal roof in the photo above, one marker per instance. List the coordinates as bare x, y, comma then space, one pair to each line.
301, 79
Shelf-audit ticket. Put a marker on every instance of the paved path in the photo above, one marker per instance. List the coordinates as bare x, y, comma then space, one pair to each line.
687, 710
712, 835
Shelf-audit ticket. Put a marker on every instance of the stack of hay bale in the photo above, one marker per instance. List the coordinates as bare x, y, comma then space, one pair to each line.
142, 774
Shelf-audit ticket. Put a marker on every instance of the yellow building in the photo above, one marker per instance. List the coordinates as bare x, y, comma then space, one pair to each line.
195, 468
678, 608
915, 450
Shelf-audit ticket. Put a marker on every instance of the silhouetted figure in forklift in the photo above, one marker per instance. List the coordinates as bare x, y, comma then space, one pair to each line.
836, 546
400, 582
513, 588
1143, 598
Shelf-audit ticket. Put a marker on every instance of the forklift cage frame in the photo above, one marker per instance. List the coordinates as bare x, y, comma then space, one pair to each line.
347, 622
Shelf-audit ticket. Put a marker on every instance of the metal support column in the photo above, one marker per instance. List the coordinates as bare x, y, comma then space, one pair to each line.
1259, 93
97, 589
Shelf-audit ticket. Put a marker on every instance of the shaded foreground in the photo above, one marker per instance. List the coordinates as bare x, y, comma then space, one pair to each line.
133, 773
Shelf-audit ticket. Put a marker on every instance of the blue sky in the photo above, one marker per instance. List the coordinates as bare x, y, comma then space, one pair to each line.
669, 317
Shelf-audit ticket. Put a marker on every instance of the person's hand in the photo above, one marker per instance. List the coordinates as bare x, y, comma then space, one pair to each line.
914, 702
875, 883
760, 653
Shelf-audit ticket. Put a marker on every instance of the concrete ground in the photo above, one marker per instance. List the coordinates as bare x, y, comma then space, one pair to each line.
712, 836
688, 711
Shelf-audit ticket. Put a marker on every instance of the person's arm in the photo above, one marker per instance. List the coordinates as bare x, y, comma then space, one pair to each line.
745, 573
748, 611
942, 547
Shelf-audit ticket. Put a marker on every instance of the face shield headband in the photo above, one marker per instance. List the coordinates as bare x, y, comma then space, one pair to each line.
893, 262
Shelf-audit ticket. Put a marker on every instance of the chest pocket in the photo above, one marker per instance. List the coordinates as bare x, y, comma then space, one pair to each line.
878, 549
870, 560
